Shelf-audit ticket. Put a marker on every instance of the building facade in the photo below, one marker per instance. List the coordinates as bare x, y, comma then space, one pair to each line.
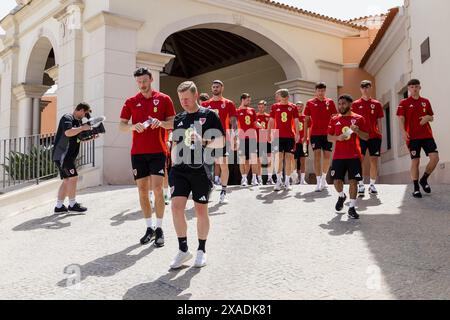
87, 51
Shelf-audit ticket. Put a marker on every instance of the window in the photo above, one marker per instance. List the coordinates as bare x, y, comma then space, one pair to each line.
425, 50
387, 114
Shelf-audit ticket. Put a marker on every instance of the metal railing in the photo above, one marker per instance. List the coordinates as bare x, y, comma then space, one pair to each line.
28, 160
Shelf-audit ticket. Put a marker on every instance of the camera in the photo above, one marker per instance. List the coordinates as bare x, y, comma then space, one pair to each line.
97, 127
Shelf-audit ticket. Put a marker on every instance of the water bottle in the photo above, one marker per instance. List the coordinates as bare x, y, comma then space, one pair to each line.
192, 140
148, 123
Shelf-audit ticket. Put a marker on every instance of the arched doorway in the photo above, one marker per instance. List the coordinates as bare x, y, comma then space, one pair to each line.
245, 60
36, 95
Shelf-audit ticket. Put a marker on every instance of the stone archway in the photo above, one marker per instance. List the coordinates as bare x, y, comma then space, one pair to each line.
36, 82
280, 50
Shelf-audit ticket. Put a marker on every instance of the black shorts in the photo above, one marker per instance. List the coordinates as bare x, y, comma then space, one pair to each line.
284, 145
247, 147
264, 149
146, 165
416, 146
340, 167
299, 151
374, 146
67, 169
321, 143
184, 181
222, 153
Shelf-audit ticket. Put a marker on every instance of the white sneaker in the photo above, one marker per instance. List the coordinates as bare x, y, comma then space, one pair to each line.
278, 186
294, 177
319, 187
244, 182
180, 259
255, 182
222, 198
324, 184
287, 186
260, 181
304, 183
200, 260
372, 189
217, 182
270, 182
361, 190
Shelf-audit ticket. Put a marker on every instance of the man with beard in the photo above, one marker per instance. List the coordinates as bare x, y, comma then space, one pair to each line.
226, 110
151, 113
344, 130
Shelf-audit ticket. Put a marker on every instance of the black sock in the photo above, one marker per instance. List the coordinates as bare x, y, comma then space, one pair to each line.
182, 244
224, 189
425, 178
201, 245
416, 185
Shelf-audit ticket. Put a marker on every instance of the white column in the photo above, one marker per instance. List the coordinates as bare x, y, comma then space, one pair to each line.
28, 110
36, 129
155, 62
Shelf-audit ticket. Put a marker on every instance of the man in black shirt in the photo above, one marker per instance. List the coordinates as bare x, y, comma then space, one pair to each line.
194, 129
65, 152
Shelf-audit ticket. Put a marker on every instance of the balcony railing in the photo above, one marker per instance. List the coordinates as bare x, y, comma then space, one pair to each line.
28, 160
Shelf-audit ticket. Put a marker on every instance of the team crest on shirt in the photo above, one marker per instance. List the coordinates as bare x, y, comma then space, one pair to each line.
327, 103
156, 102
223, 105
202, 121
413, 153
353, 121
372, 106
333, 173
172, 189
72, 171
424, 104
290, 109
135, 172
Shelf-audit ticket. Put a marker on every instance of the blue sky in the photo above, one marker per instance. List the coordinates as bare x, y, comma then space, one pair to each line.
343, 9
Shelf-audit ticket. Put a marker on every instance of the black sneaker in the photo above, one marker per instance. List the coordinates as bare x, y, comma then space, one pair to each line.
425, 186
159, 238
352, 213
63, 209
77, 208
340, 203
149, 236
417, 194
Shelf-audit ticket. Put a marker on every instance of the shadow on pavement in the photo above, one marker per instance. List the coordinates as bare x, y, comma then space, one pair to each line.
313, 196
53, 222
110, 265
165, 287
125, 216
339, 227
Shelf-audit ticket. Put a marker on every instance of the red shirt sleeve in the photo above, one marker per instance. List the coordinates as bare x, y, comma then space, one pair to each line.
307, 111
231, 109
272, 112
170, 109
380, 111
126, 110
333, 109
331, 127
401, 109
295, 112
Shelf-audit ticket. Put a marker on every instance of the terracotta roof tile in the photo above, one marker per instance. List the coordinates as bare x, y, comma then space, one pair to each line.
311, 14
